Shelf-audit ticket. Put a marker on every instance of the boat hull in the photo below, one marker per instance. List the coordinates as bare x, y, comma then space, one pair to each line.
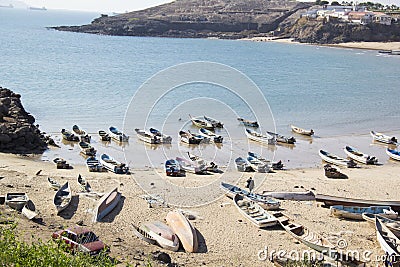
183, 229
106, 204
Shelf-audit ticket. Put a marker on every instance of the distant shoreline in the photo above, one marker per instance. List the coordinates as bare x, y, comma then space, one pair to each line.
354, 45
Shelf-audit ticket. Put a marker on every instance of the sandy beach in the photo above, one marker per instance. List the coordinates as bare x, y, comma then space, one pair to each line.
355, 45
226, 237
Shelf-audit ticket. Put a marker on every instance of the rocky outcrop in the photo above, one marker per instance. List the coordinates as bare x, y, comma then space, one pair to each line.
231, 19
18, 134
321, 32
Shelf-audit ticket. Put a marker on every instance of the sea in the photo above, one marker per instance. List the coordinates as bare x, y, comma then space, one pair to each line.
97, 81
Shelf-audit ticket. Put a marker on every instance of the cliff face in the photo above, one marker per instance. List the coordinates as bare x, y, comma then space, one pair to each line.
312, 31
197, 18
18, 134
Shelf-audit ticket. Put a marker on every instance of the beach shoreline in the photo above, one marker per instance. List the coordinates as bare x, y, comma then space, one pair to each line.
353, 45
226, 237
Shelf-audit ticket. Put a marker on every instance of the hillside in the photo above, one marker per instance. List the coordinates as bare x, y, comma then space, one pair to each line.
198, 19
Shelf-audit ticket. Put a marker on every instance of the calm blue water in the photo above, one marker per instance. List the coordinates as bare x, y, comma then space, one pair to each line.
68, 78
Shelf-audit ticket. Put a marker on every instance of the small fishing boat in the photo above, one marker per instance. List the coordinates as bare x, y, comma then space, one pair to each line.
335, 200
299, 196
165, 139
68, 136
203, 139
388, 241
357, 155
334, 159
162, 234
29, 210
243, 165
302, 131
355, 212
394, 154
87, 149
181, 226
16, 201
214, 122
275, 165
104, 136
261, 138
266, 202
142, 234
172, 168
106, 204
113, 165
305, 235
393, 225
201, 123
61, 163
53, 183
83, 135
147, 137
210, 166
189, 138
211, 135
83, 184
254, 212
282, 139
380, 137
248, 123
333, 172
94, 165
63, 197
191, 166
258, 165
118, 135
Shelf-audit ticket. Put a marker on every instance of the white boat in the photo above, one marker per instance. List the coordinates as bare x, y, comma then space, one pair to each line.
380, 137
211, 135
82, 134
147, 137
118, 135
94, 165
191, 166
104, 136
201, 123
210, 166
162, 234
266, 202
16, 200
394, 154
393, 225
248, 123
275, 165
113, 165
357, 155
29, 210
87, 149
282, 139
300, 196
83, 184
388, 241
172, 168
243, 165
259, 165
165, 139
261, 138
333, 172
254, 212
142, 234
302, 131
215, 123
334, 159
355, 212
53, 183
106, 204
188, 138
203, 139
183, 229
63, 197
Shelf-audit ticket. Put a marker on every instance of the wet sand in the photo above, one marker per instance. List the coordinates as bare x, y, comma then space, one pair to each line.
226, 237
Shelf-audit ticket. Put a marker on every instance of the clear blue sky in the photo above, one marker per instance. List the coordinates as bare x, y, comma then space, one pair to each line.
127, 5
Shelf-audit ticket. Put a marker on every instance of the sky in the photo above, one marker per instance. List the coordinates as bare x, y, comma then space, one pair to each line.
120, 6
96, 5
